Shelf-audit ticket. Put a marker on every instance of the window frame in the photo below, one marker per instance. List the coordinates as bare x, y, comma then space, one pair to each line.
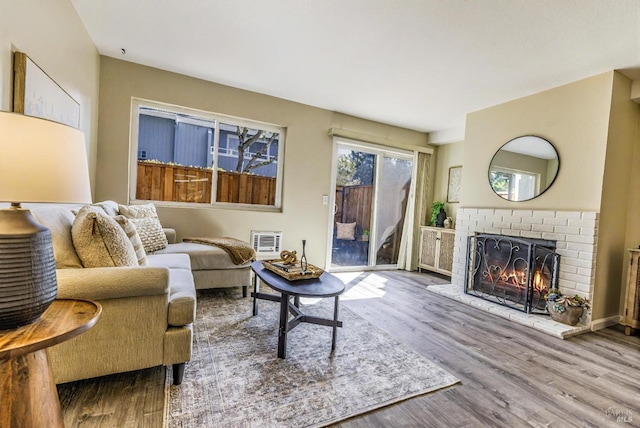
216, 118
511, 187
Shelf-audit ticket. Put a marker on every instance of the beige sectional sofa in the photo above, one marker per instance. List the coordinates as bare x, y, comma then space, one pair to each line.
147, 311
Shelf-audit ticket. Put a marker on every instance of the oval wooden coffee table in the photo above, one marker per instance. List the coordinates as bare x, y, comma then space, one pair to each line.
29, 394
326, 285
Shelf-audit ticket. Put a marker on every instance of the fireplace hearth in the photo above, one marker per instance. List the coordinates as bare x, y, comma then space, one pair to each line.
512, 271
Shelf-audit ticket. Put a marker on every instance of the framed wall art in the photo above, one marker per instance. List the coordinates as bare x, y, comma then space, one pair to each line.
453, 188
36, 94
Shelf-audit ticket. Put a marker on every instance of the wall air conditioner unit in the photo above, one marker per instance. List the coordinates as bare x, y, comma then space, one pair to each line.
266, 244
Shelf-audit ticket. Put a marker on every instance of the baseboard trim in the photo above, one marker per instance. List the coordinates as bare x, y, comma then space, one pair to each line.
605, 322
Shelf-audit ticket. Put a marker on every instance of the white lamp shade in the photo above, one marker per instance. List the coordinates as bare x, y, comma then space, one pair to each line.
42, 161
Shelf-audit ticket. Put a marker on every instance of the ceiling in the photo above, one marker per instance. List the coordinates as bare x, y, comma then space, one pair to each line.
419, 64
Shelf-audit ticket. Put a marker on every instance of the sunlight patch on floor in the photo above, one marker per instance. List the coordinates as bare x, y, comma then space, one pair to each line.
370, 287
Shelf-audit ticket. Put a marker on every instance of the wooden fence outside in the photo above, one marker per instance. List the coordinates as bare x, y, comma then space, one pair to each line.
354, 205
246, 188
161, 182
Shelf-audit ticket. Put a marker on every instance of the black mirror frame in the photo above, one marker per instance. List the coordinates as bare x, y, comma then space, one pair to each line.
541, 192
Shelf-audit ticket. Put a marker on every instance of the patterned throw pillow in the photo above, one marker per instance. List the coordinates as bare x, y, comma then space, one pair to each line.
346, 231
100, 241
131, 232
145, 218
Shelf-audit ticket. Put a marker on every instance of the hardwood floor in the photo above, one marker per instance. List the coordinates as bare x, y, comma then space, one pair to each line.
131, 400
512, 376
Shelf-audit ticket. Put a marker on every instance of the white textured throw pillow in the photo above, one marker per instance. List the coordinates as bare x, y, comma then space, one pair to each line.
130, 230
145, 218
100, 241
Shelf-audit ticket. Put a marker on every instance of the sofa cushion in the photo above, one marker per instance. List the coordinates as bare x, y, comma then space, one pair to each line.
110, 207
130, 230
147, 223
203, 257
171, 261
100, 241
59, 221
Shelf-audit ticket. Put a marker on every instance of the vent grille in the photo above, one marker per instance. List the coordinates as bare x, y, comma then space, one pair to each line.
266, 243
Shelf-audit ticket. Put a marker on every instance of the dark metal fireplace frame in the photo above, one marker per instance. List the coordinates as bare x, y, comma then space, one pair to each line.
486, 280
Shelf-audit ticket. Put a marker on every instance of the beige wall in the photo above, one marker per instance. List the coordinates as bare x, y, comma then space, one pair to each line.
573, 117
446, 156
620, 196
307, 158
52, 35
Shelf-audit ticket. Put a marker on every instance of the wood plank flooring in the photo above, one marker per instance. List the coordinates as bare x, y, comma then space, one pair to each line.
130, 400
512, 376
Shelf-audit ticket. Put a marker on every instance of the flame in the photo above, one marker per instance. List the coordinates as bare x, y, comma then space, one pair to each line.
538, 284
519, 279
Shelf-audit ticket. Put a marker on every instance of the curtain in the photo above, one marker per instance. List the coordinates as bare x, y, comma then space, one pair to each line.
415, 215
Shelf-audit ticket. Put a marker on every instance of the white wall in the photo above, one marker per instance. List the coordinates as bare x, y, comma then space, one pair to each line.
52, 35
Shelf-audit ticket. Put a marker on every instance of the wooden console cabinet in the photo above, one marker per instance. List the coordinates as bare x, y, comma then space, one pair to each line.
436, 249
631, 314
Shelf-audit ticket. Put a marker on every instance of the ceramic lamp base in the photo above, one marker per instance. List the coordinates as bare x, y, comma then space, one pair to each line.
28, 282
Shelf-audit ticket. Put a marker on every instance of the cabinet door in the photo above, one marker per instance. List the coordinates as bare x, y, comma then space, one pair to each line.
428, 248
445, 259
631, 316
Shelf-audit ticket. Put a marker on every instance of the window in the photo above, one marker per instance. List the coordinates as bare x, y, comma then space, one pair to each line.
514, 185
190, 156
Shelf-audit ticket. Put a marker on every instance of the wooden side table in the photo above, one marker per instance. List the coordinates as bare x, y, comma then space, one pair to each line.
28, 395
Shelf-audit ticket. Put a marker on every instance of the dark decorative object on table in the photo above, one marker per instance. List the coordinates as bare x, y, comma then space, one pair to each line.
441, 217
303, 259
566, 309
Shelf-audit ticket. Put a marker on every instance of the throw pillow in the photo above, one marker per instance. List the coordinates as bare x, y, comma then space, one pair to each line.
100, 241
346, 231
145, 218
59, 221
130, 230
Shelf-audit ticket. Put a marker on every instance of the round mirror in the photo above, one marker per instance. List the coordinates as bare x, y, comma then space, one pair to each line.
523, 168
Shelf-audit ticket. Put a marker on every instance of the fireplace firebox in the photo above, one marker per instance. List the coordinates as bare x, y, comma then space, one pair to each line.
514, 272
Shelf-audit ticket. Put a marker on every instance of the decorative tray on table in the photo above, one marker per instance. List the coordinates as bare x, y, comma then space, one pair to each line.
292, 272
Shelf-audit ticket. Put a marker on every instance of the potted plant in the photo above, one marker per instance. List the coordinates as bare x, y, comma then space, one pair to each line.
436, 206
566, 309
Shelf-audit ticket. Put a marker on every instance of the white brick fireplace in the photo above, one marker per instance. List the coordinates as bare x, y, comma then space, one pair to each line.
575, 233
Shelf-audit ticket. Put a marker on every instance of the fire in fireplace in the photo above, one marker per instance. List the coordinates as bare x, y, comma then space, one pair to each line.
511, 271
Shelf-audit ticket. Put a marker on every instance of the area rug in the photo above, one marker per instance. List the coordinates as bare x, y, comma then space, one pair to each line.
235, 379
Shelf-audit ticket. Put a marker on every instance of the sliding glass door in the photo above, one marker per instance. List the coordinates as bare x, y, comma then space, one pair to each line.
372, 187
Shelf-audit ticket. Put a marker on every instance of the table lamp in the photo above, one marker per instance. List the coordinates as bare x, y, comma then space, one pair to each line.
43, 162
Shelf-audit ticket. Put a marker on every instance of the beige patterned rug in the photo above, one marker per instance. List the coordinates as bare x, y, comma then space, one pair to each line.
236, 380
